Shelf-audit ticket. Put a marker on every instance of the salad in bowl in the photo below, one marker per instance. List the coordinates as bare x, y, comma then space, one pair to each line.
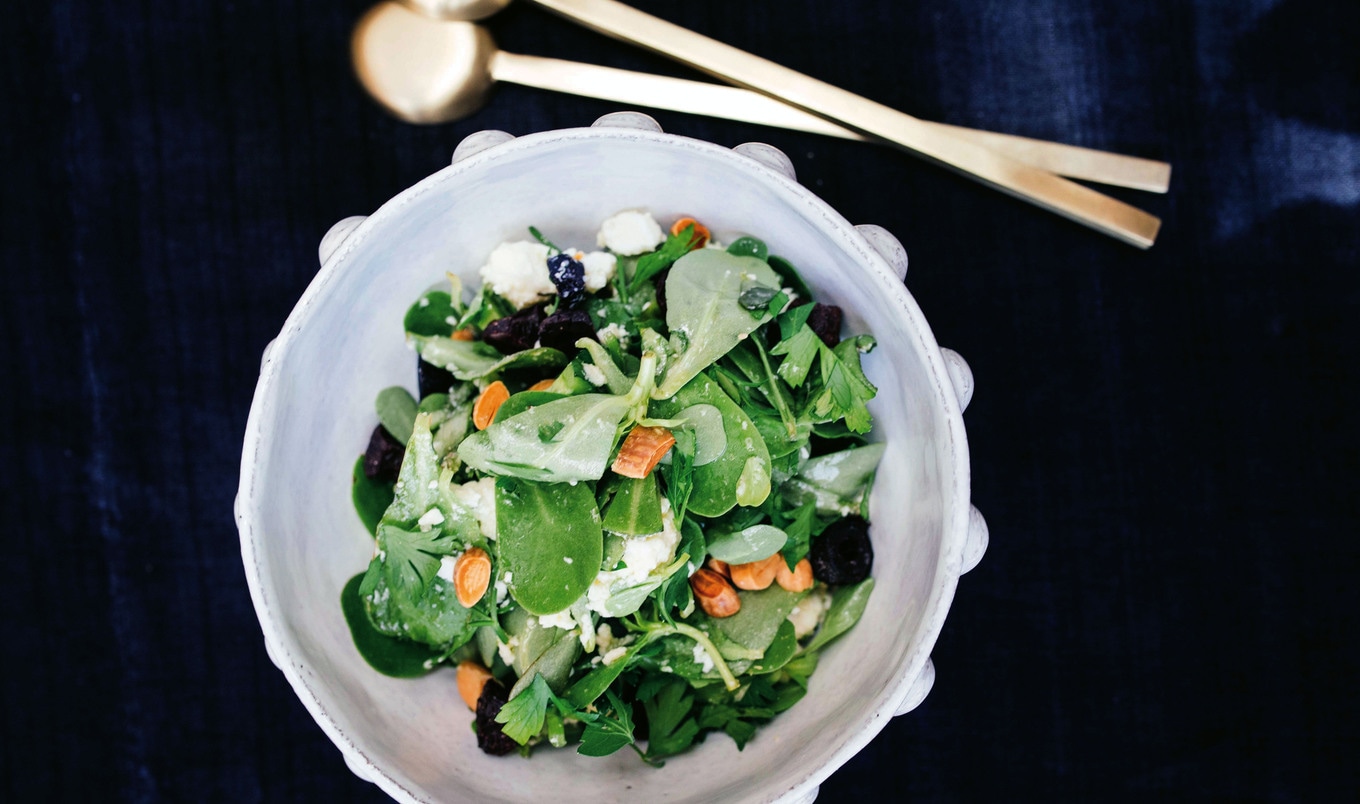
628, 502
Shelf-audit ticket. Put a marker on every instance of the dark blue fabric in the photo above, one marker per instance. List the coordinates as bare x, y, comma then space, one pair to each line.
1164, 443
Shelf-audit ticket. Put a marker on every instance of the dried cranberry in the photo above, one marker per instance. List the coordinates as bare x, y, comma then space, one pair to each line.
432, 379
515, 332
569, 277
491, 736
382, 459
564, 328
825, 320
842, 554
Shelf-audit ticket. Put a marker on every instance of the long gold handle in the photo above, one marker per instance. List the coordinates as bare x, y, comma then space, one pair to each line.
734, 103
1039, 187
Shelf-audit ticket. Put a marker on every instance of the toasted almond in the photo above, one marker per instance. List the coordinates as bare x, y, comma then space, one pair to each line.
757, 575
471, 576
701, 233
541, 385
472, 677
719, 567
484, 409
464, 334
642, 450
798, 579
714, 594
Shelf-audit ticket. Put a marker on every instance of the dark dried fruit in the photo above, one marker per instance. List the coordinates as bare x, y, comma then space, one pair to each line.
564, 328
825, 320
569, 277
659, 282
432, 379
842, 554
515, 332
491, 736
382, 459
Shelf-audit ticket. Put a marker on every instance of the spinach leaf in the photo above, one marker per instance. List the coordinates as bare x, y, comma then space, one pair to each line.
790, 276
836, 483
671, 727
553, 665
784, 646
549, 537
635, 509
710, 438
716, 483
371, 497
754, 627
626, 600
397, 412
703, 309
486, 307
592, 685
391, 656
847, 604
522, 401
474, 360
749, 247
432, 615
579, 450
615, 379
746, 545
432, 314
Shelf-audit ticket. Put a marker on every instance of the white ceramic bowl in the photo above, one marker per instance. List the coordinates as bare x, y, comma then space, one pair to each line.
312, 413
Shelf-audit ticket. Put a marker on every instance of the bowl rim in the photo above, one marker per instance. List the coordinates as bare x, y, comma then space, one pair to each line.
832, 224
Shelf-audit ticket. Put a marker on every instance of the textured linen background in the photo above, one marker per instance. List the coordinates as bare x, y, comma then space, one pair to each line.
1163, 443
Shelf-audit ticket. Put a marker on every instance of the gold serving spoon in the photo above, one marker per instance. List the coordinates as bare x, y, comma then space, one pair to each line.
429, 70
1039, 187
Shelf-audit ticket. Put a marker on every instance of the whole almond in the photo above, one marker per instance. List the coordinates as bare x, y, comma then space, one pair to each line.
471, 678
798, 579
714, 594
756, 575
471, 576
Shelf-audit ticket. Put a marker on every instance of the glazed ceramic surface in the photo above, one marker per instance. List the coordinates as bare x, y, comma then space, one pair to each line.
313, 412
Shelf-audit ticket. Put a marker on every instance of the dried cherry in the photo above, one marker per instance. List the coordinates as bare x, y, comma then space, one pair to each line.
491, 736
825, 320
843, 553
564, 328
515, 332
432, 379
382, 459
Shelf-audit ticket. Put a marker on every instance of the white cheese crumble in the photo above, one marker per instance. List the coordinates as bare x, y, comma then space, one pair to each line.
518, 272
613, 656
614, 330
641, 555
630, 232
599, 269
446, 565
479, 497
430, 518
702, 658
593, 374
807, 615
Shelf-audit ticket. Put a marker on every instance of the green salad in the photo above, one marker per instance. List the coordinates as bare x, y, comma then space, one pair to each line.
628, 505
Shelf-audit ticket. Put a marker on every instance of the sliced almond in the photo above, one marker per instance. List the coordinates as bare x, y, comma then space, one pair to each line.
541, 385
464, 334
701, 233
757, 575
719, 567
642, 450
484, 409
471, 576
472, 677
714, 594
798, 579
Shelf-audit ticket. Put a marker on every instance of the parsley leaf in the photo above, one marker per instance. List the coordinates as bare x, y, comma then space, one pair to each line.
799, 530
675, 247
671, 729
845, 389
522, 716
605, 735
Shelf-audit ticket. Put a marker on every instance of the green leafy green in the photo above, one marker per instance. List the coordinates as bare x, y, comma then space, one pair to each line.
549, 537
653, 263
522, 716
608, 733
845, 390
433, 313
522, 401
635, 509
704, 313
835, 483
749, 247
397, 412
847, 604
580, 434
746, 545
371, 497
671, 727
388, 655
754, 626
476, 360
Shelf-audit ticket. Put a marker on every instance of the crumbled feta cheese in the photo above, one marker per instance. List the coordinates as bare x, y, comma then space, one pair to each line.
807, 615
613, 656
503, 587
507, 652
430, 518
593, 374
479, 497
561, 619
641, 555
566, 559
518, 272
702, 658
446, 565
614, 330
424, 301
599, 269
630, 232
604, 638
